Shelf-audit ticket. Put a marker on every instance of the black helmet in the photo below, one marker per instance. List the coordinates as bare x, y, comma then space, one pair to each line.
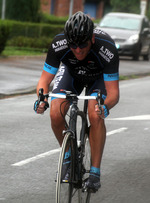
79, 28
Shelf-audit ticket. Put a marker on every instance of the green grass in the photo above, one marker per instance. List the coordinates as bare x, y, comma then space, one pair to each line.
121, 77
22, 51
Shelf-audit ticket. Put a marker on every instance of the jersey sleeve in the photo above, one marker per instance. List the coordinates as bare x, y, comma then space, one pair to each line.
111, 71
52, 63
56, 51
108, 54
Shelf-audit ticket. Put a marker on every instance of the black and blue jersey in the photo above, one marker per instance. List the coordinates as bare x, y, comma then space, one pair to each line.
102, 59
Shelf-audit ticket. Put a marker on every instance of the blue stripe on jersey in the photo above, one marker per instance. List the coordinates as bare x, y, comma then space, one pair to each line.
50, 69
111, 77
60, 34
106, 41
65, 54
97, 57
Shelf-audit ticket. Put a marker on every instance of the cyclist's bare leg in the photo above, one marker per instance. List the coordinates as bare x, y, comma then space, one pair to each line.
57, 121
97, 135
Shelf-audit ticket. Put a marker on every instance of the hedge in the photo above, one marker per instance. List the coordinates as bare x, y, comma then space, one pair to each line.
4, 33
20, 41
51, 19
33, 29
24, 34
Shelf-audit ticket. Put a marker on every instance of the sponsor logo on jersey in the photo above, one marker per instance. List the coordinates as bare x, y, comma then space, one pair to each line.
111, 77
106, 54
91, 65
73, 61
60, 45
59, 77
81, 72
98, 31
91, 62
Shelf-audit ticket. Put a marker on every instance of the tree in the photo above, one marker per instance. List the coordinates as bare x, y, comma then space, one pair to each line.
128, 6
23, 10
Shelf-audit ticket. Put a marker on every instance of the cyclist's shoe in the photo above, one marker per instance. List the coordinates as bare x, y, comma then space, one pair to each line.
66, 170
93, 183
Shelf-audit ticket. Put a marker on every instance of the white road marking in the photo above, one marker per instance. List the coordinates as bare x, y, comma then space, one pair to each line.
132, 118
43, 155
116, 131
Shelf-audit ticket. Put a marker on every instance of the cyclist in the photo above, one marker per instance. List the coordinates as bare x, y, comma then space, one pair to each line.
82, 55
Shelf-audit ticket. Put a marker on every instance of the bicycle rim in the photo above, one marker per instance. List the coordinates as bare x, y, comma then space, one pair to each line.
65, 190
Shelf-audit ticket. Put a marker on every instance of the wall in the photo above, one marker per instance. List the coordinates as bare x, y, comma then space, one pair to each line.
61, 7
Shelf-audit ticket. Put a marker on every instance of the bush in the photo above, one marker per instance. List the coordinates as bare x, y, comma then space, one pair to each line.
51, 19
36, 35
22, 10
42, 42
4, 33
33, 29
148, 13
127, 6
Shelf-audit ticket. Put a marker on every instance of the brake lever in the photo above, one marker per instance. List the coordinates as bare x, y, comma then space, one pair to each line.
41, 96
100, 100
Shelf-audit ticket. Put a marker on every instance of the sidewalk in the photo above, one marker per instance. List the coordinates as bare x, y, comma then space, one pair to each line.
20, 75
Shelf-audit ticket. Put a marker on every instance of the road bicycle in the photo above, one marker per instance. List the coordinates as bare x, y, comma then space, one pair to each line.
76, 142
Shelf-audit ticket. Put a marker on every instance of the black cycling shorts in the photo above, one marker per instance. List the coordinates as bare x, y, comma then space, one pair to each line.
64, 81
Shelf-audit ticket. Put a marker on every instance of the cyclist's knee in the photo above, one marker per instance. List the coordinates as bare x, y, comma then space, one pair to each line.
55, 116
95, 119
55, 113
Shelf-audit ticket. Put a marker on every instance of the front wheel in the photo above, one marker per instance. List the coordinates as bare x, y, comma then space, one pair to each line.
81, 194
64, 188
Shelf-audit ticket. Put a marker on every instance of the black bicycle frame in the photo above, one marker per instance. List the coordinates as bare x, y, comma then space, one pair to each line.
74, 113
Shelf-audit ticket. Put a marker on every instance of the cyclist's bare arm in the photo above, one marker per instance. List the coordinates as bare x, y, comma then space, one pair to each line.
44, 82
112, 88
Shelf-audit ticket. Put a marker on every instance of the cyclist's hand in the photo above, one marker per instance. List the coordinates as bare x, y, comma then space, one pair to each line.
40, 108
103, 112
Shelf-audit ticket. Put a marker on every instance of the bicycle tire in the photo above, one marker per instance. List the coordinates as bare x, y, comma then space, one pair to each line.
64, 190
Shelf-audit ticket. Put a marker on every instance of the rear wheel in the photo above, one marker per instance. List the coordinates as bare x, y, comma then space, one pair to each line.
137, 54
86, 168
85, 154
147, 56
136, 57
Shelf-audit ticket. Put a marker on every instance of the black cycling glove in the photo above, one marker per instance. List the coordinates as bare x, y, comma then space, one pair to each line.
36, 105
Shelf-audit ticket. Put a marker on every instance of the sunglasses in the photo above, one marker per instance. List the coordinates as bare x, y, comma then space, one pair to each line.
81, 46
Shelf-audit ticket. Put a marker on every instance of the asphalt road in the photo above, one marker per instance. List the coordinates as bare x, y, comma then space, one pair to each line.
29, 151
